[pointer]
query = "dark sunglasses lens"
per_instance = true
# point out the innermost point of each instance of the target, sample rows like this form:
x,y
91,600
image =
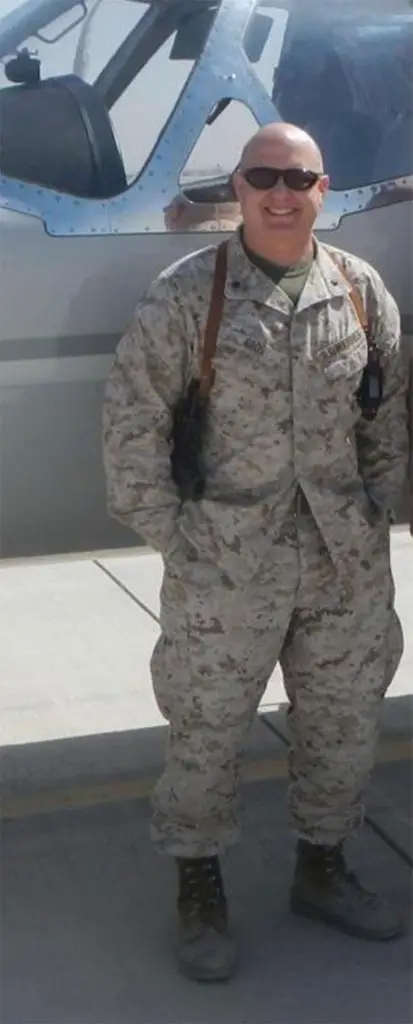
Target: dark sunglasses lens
x,y
298,180
262,178
295,178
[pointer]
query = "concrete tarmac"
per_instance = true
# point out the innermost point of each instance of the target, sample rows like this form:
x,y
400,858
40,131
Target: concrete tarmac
x,y
87,908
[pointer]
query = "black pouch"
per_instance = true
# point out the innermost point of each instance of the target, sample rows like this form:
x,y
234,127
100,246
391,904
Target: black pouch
x,y
370,392
189,422
190,413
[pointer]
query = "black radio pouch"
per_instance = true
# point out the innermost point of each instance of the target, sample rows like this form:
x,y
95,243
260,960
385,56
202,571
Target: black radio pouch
x,y
369,395
191,410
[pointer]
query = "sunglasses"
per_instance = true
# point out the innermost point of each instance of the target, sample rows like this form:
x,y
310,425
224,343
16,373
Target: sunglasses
x,y
294,178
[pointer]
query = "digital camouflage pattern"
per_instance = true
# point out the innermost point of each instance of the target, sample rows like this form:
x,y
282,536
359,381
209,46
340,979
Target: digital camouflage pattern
x,y
247,580
282,409
339,644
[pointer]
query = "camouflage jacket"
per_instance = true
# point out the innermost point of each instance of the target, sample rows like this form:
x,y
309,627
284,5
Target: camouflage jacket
x,y
283,410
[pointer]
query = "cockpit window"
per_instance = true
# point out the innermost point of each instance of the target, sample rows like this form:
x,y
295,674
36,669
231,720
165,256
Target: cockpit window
x,y
110,73
349,82
158,80
127,59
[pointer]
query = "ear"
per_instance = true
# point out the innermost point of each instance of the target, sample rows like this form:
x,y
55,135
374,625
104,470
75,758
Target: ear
x,y
237,183
324,184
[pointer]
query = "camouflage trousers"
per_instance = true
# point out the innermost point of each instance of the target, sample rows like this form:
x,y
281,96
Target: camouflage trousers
x,y
338,641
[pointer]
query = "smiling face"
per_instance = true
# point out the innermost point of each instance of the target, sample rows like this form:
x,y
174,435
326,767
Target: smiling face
x,y
279,216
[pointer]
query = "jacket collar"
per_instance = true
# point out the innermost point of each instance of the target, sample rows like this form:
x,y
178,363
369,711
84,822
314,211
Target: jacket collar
x,y
245,281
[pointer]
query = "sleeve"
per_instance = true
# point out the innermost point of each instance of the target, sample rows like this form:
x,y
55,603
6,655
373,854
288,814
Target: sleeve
x,y
147,377
383,443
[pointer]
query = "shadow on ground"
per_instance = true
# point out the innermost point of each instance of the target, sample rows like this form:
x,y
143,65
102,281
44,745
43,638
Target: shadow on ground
x,y
88,913
138,753
87,907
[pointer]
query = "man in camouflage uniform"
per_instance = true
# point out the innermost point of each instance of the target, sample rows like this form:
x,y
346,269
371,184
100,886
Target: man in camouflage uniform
x,y
286,557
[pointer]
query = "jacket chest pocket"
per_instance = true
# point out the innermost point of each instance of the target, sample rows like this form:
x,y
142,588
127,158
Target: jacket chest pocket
x,y
344,362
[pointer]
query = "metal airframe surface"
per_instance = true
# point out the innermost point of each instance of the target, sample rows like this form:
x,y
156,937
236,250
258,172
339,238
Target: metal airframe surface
x,y
222,71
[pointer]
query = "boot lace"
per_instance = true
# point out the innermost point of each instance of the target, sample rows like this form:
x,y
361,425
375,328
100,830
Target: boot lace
x,y
336,870
201,891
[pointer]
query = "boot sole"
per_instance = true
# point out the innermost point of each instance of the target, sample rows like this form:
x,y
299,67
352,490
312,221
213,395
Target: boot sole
x,y
195,973
302,909
207,978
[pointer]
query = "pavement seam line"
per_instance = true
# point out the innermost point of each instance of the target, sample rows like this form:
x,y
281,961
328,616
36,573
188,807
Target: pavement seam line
x,y
125,590
386,838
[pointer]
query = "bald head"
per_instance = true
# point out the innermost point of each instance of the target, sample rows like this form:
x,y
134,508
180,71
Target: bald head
x,y
280,185
281,145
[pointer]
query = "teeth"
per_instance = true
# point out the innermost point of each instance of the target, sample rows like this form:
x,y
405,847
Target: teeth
x,y
280,213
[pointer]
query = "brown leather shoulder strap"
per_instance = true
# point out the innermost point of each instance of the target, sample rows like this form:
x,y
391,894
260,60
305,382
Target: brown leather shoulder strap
x,y
355,297
213,321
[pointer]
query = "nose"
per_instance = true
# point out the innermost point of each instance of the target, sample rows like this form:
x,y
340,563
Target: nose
x,y
279,186
279,191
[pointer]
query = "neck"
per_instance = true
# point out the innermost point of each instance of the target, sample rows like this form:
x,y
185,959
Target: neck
x,y
284,252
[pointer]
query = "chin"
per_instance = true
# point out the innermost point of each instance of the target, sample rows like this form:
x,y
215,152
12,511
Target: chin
x,y
287,231
280,226
281,229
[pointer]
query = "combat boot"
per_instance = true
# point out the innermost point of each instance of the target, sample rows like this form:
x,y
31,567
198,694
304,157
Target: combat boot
x,y
325,889
205,950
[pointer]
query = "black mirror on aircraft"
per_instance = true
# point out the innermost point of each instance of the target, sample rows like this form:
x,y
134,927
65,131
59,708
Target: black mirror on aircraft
x,y
24,69
58,134
193,31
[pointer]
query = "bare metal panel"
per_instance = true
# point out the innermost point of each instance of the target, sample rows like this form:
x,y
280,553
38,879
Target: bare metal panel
x,y
222,71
